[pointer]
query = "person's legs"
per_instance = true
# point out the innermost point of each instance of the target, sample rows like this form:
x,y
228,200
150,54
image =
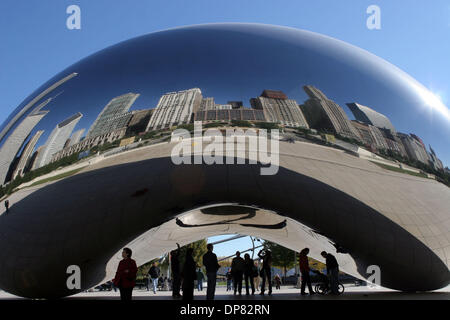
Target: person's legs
x,y
240,276
247,277
334,280
235,282
155,284
263,284
211,285
269,279
308,282
303,286
252,283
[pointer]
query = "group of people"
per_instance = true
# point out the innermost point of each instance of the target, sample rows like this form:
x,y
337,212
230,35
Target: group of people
x,y
241,269
332,271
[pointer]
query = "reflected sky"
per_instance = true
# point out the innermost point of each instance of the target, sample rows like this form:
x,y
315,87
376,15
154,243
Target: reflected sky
x,y
237,62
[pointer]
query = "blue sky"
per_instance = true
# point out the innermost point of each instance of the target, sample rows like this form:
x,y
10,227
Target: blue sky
x,y
36,44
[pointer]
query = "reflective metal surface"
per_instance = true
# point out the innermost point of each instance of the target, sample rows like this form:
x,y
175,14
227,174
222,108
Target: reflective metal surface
x,y
87,167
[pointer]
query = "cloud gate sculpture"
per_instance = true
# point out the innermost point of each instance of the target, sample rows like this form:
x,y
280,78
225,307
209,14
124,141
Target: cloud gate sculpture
x,y
261,130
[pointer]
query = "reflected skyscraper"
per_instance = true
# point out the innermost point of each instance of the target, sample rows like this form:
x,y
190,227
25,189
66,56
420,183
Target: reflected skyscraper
x,y
175,108
414,148
370,116
26,155
15,141
114,115
76,137
57,139
29,105
323,113
278,108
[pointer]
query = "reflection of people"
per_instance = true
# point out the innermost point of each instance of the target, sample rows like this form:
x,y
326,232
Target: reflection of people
x,y
7,206
154,275
266,272
237,270
257,279
189,275
250,272
211,265
125,278
304,270
332,271
277,281
200,277
229,280
175,268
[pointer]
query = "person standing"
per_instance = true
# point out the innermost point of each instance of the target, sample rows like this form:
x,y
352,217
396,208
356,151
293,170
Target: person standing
x,y
125,278
237,270
249,273
257,278
200,278
332,271
277,280
212,266
189,275
304,270
7,206
153,274
175,268
229,280
266,272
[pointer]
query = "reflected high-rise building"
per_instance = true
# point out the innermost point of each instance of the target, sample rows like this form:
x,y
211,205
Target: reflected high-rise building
x,y
370,135
175,108
370,116
114,115
236,104
278,108
57,139
16,139
435,161
139,121
29,105
323,113
394,142
76,137
26,155
207,104
414,148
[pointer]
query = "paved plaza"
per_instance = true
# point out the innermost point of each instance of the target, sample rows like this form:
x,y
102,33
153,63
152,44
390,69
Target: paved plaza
x,y
286,293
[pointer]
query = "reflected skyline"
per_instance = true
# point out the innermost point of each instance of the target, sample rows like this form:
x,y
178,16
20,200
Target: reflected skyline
x,y
345,73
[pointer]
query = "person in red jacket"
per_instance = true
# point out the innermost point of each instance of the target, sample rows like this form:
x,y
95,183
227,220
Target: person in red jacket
x,y
125,278
304,270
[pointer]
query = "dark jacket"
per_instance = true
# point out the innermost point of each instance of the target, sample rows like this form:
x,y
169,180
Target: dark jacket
x,y
237,265
126,274
304,263
175,264
153,272
250,268
189,272
267,260
210,262
331,262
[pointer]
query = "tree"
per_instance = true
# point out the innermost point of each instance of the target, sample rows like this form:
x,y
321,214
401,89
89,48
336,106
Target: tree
x,y
281,257
199,250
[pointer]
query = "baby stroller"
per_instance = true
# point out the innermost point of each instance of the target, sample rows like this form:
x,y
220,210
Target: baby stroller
x,y
323,286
